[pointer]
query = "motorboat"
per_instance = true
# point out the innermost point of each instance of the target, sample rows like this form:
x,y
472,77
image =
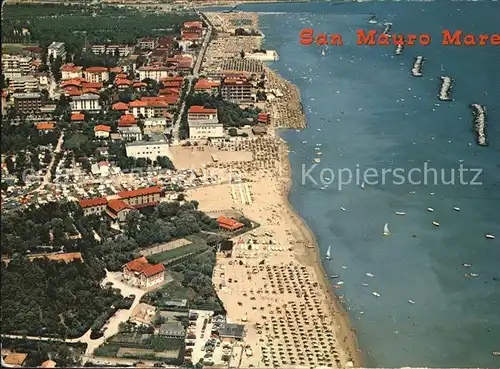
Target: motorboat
x,y
435,223
342,208
370,275
328,253
333,276
489,236
364,284
456,208
340,283
466,265
495,353
323,52
376,294
400,213
430,209
317,160
411,302
386,231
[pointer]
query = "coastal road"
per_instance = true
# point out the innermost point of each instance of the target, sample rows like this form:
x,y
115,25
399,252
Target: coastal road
x,y
196,71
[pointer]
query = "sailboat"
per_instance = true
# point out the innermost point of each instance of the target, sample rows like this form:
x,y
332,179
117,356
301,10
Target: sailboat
x,y
362,185
386,230
328,252
323,52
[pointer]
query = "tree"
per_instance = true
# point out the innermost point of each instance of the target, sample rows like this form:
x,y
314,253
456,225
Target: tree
x,y
233,132
55,68
242,54
165,162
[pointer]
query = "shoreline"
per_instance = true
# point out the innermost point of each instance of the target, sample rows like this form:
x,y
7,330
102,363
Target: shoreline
x,y
313,257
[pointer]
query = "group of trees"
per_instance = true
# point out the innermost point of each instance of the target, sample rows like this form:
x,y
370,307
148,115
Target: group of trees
x,y
77,24
25,136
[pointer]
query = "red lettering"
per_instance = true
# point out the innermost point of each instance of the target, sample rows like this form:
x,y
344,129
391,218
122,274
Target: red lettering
x,y
469,40
322,39
449,40
411,39
495,39
383,39
483,39
363,39
425,39
306,36
398,40
336,39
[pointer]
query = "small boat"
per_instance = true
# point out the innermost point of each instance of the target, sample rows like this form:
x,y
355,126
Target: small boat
x,y
342,208
466,265
364,284
386,231
495,353
376,294
362,186
343,267
340,283
411,302
400,213
323,52
474,275
333,276
489,236
370,275
328,252
456,208
317,160
434,223
430,209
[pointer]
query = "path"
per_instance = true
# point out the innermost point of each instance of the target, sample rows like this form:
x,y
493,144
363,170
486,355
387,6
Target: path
x,y
46,177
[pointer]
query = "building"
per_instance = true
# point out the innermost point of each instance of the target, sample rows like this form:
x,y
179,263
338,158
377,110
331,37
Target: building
x,y
70,71
4,102
102,131
56,49
14,360
140,273
209,86
143,197
148,43
96,74
203,123
148,149
192,30
115,50
153,72
259,130
173,330
93,206
264,118
231,332
100,169
229,224
156,125
127,120
24,84
118,210
44,127
27,103
130,133
86,102
143,314
16,65
237,90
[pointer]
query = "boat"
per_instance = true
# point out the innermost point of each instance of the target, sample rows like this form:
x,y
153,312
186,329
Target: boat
x,y
370,275
339,283
435,223
456,208
400,213
411,302
333,276
466,265
489,236
376,294
317,160
474,275
342,208
362,186
386,230
364,284
328,252
373,19
495,353
430,209
323,52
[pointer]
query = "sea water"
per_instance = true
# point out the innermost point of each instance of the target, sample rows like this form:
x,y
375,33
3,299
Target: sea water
x,y
374,114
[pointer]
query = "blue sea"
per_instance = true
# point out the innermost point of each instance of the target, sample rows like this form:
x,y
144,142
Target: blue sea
x,y
367,111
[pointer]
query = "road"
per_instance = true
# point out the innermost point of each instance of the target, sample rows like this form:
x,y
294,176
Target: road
x,y
196,73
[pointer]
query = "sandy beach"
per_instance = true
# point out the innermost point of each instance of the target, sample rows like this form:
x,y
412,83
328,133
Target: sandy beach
x,y
273,282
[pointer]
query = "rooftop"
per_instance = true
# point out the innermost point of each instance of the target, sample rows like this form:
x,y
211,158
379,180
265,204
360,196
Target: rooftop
x,y
231,330
197,109
141,265
140,192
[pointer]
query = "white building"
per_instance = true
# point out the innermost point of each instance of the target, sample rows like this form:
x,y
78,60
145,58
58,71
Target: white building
x,y
24,84
130,133
85,102
203,123
56,49
148,149
158,125
153,72
100,169
96,74
70,71
16,66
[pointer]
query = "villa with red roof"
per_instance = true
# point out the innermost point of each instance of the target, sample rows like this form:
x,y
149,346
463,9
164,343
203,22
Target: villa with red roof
x,y
96,74
120,106
140,273
229,224
102,131
70,71
204,123
208,86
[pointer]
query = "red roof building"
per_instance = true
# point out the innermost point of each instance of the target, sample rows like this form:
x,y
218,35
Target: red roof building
x,y
45,126
207,85
263,118
102,128
77,117
127,120
140,273
120,106
197,109
229,224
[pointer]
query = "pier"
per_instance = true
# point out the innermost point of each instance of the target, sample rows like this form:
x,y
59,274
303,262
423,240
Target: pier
x,y
479,123
416,71
446,85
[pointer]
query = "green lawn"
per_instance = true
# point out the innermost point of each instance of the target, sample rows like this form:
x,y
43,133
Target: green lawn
x,y
75,141
170,255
